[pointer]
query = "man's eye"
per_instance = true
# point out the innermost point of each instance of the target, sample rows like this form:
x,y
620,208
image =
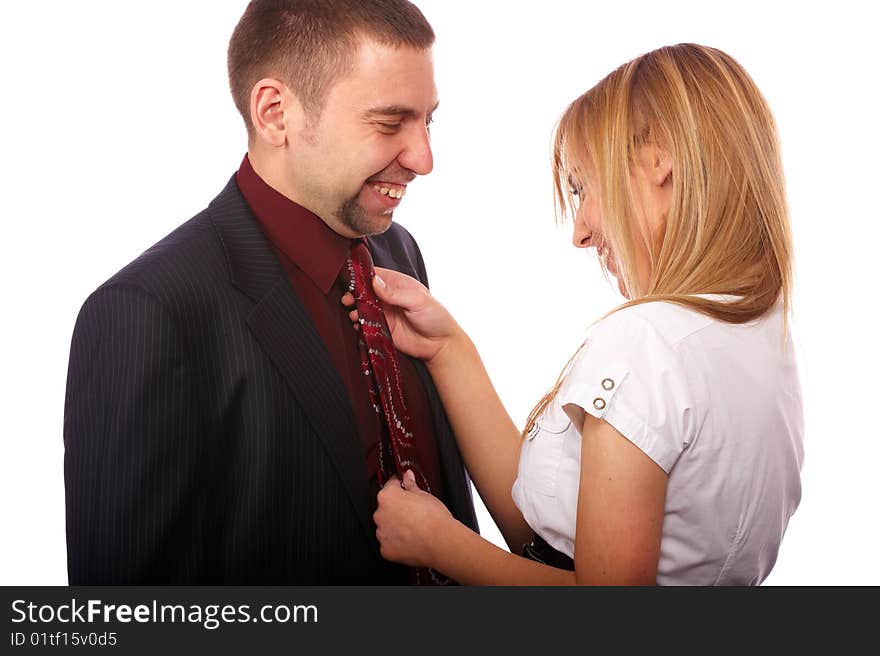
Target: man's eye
x,y
392,127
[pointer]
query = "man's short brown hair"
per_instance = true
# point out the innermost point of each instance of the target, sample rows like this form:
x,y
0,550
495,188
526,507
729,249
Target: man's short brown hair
x,y
309,44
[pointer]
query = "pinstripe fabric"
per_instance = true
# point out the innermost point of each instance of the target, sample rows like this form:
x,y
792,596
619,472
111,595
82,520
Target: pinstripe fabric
x,y
208,438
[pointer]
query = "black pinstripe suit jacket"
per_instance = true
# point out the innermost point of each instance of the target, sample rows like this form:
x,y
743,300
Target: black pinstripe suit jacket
x,y
208,437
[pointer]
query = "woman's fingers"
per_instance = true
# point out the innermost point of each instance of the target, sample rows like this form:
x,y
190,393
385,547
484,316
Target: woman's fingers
x,y
393,287
399,289
409,482
348,301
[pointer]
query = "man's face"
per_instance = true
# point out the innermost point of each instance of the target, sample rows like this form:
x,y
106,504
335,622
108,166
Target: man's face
x,y
352,166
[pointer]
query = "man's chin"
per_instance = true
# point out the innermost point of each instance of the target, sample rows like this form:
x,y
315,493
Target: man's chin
x,y
378,225
363,222
372,221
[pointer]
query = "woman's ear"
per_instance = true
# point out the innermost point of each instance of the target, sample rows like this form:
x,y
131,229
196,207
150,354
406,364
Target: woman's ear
x,y
661,173
654,164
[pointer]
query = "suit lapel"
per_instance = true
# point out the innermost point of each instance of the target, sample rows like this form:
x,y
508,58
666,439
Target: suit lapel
x,y
284,330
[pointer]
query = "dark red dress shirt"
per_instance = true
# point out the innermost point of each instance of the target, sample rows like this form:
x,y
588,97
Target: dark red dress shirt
x,y
314,258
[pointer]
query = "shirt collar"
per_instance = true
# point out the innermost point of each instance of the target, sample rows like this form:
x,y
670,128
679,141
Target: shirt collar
x,y
299,234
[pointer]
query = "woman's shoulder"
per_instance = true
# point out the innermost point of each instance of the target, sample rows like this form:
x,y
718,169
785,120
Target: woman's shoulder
x,y
662,321
631,373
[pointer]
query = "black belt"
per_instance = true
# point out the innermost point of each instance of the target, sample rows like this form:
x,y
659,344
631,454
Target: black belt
x,y
538,550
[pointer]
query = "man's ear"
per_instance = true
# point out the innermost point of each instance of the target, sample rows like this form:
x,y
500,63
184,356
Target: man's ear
x,y
275,112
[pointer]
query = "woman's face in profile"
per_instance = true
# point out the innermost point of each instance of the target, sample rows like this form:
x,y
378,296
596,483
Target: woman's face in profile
x,y
589,225
653,189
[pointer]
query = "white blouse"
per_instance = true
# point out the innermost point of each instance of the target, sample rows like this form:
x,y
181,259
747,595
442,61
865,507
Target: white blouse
x,y
716,405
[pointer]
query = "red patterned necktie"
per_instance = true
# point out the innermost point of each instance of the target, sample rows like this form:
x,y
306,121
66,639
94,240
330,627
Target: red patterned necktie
x,y
397,447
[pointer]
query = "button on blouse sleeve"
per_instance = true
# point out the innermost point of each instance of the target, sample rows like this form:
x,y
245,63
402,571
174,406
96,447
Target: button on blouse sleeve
x,y
628,375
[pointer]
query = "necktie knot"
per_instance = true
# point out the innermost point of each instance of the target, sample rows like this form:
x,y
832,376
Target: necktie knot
x,y
361,274
362,261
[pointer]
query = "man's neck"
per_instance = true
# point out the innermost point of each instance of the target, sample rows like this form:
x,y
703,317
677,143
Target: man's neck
x,y
272,173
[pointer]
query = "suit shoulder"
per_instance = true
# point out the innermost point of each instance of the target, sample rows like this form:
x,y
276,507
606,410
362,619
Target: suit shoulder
x,y
187,257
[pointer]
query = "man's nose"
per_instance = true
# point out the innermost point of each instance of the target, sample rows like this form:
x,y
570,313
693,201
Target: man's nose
x,y
417,155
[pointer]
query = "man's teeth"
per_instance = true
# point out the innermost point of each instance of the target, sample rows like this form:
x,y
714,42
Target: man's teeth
x,y
394,193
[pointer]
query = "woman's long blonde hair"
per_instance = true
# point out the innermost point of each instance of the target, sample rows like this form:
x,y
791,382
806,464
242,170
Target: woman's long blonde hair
x,y
727,231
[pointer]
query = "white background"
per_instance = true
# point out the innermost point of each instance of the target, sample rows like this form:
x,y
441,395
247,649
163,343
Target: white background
x,y
116,126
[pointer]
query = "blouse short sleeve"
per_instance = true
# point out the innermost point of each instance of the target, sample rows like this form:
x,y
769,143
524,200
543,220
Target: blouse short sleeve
x,y
629,375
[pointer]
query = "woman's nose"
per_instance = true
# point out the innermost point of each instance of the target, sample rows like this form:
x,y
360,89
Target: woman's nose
x,y
582,236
